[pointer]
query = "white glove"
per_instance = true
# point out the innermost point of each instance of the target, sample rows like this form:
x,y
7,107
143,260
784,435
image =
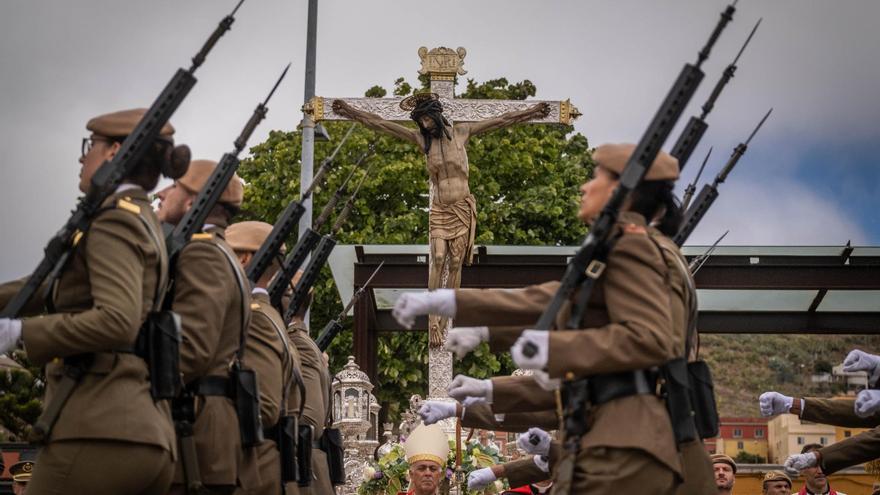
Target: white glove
x,y
481,478
462,340
463,387
433,411
10,334
545,382
543,462
858,360
867,403
471,401
409,305
535,441
795,463
537,340
773,403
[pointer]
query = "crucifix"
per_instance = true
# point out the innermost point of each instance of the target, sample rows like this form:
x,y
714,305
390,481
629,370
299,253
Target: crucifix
x,y
445,123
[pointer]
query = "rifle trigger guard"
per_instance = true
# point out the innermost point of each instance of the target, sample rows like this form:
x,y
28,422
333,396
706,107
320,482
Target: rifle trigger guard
x,y
595,269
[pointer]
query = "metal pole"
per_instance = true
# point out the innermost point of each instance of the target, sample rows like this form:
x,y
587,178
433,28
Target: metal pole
x,y
308,126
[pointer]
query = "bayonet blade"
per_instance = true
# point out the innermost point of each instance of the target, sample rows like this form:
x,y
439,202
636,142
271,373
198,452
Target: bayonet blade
x,y
758,127
278,82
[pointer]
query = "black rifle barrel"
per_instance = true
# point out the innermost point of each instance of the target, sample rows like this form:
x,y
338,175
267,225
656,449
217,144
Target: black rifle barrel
x,y
349,204
692,187
337,195
325,165
111,173
309,276
726,17
709,192
294,259
194,218
333,327
697,126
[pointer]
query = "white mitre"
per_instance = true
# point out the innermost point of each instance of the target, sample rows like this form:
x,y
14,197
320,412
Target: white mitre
x,y
427,443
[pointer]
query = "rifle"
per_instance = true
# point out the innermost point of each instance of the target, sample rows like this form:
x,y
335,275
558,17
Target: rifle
x,y
697,126
288,219
334,326
700,260
692,187
307,243
322,252
588,263
195,217
111,173
709,192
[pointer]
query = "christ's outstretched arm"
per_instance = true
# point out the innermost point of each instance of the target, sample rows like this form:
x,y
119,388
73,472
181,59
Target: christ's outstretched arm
x,y
538,110
376,122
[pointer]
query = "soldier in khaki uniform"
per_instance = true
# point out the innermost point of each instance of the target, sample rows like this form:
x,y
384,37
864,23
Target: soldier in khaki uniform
x,y
269,353
633,325
316,410
110,437
776,483
213,301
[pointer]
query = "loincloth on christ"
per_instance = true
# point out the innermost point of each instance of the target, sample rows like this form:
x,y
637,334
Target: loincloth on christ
x,y
453,221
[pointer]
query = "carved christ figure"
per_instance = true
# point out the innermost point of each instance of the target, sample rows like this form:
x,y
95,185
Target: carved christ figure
x,y
453,210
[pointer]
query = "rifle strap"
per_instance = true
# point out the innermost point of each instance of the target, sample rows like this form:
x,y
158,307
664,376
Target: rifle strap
x,y
294,372
592,273
245,298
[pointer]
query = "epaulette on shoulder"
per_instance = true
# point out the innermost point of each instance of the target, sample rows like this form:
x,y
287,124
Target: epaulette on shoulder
x,y
255,306
202,236
127,205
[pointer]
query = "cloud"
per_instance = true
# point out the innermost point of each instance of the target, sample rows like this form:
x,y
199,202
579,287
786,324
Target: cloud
x,y
776,212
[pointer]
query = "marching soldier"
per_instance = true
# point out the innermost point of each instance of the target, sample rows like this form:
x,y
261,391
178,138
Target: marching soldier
x,y
633,325
275,360
316,409
114,278
213,301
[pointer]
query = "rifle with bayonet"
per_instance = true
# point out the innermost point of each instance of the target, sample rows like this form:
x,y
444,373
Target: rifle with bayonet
x,y
111,173
320,256
307,242
288,219
709,192
692,187
334,326
243,382
207,198
700,260
696,126
588,263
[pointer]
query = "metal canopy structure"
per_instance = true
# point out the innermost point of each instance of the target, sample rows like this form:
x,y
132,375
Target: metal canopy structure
x,y
741,289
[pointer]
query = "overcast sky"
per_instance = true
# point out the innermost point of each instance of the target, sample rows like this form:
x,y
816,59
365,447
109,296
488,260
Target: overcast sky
x,y
810,177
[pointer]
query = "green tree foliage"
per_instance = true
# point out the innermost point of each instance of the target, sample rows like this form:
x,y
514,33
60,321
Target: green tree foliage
x,y
525,179
20,392
744,457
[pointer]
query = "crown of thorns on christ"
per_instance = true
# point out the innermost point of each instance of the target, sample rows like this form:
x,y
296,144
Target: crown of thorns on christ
x,y
411,102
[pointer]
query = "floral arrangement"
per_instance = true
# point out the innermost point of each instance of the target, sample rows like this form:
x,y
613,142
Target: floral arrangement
x,y
388,476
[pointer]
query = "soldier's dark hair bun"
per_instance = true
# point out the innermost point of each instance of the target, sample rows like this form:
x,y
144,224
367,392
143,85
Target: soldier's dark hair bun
x,y
177,161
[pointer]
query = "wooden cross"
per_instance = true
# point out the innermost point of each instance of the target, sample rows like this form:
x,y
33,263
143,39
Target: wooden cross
x,y
442,65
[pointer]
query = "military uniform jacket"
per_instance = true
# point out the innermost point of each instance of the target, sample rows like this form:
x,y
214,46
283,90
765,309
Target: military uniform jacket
x,y
482,416
208,298
316,410
100,300
271,356
629,326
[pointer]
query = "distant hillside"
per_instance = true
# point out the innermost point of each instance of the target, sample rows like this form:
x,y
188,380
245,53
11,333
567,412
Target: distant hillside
x,y
743,366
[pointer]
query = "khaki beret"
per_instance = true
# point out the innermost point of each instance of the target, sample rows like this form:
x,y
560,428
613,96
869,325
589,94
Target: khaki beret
x,y
776,476
724,459
22,471
122,123
248,236
613,157
199,172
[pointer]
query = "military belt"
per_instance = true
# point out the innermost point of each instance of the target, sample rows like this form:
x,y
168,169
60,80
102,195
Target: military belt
x,y
605,388
210,385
